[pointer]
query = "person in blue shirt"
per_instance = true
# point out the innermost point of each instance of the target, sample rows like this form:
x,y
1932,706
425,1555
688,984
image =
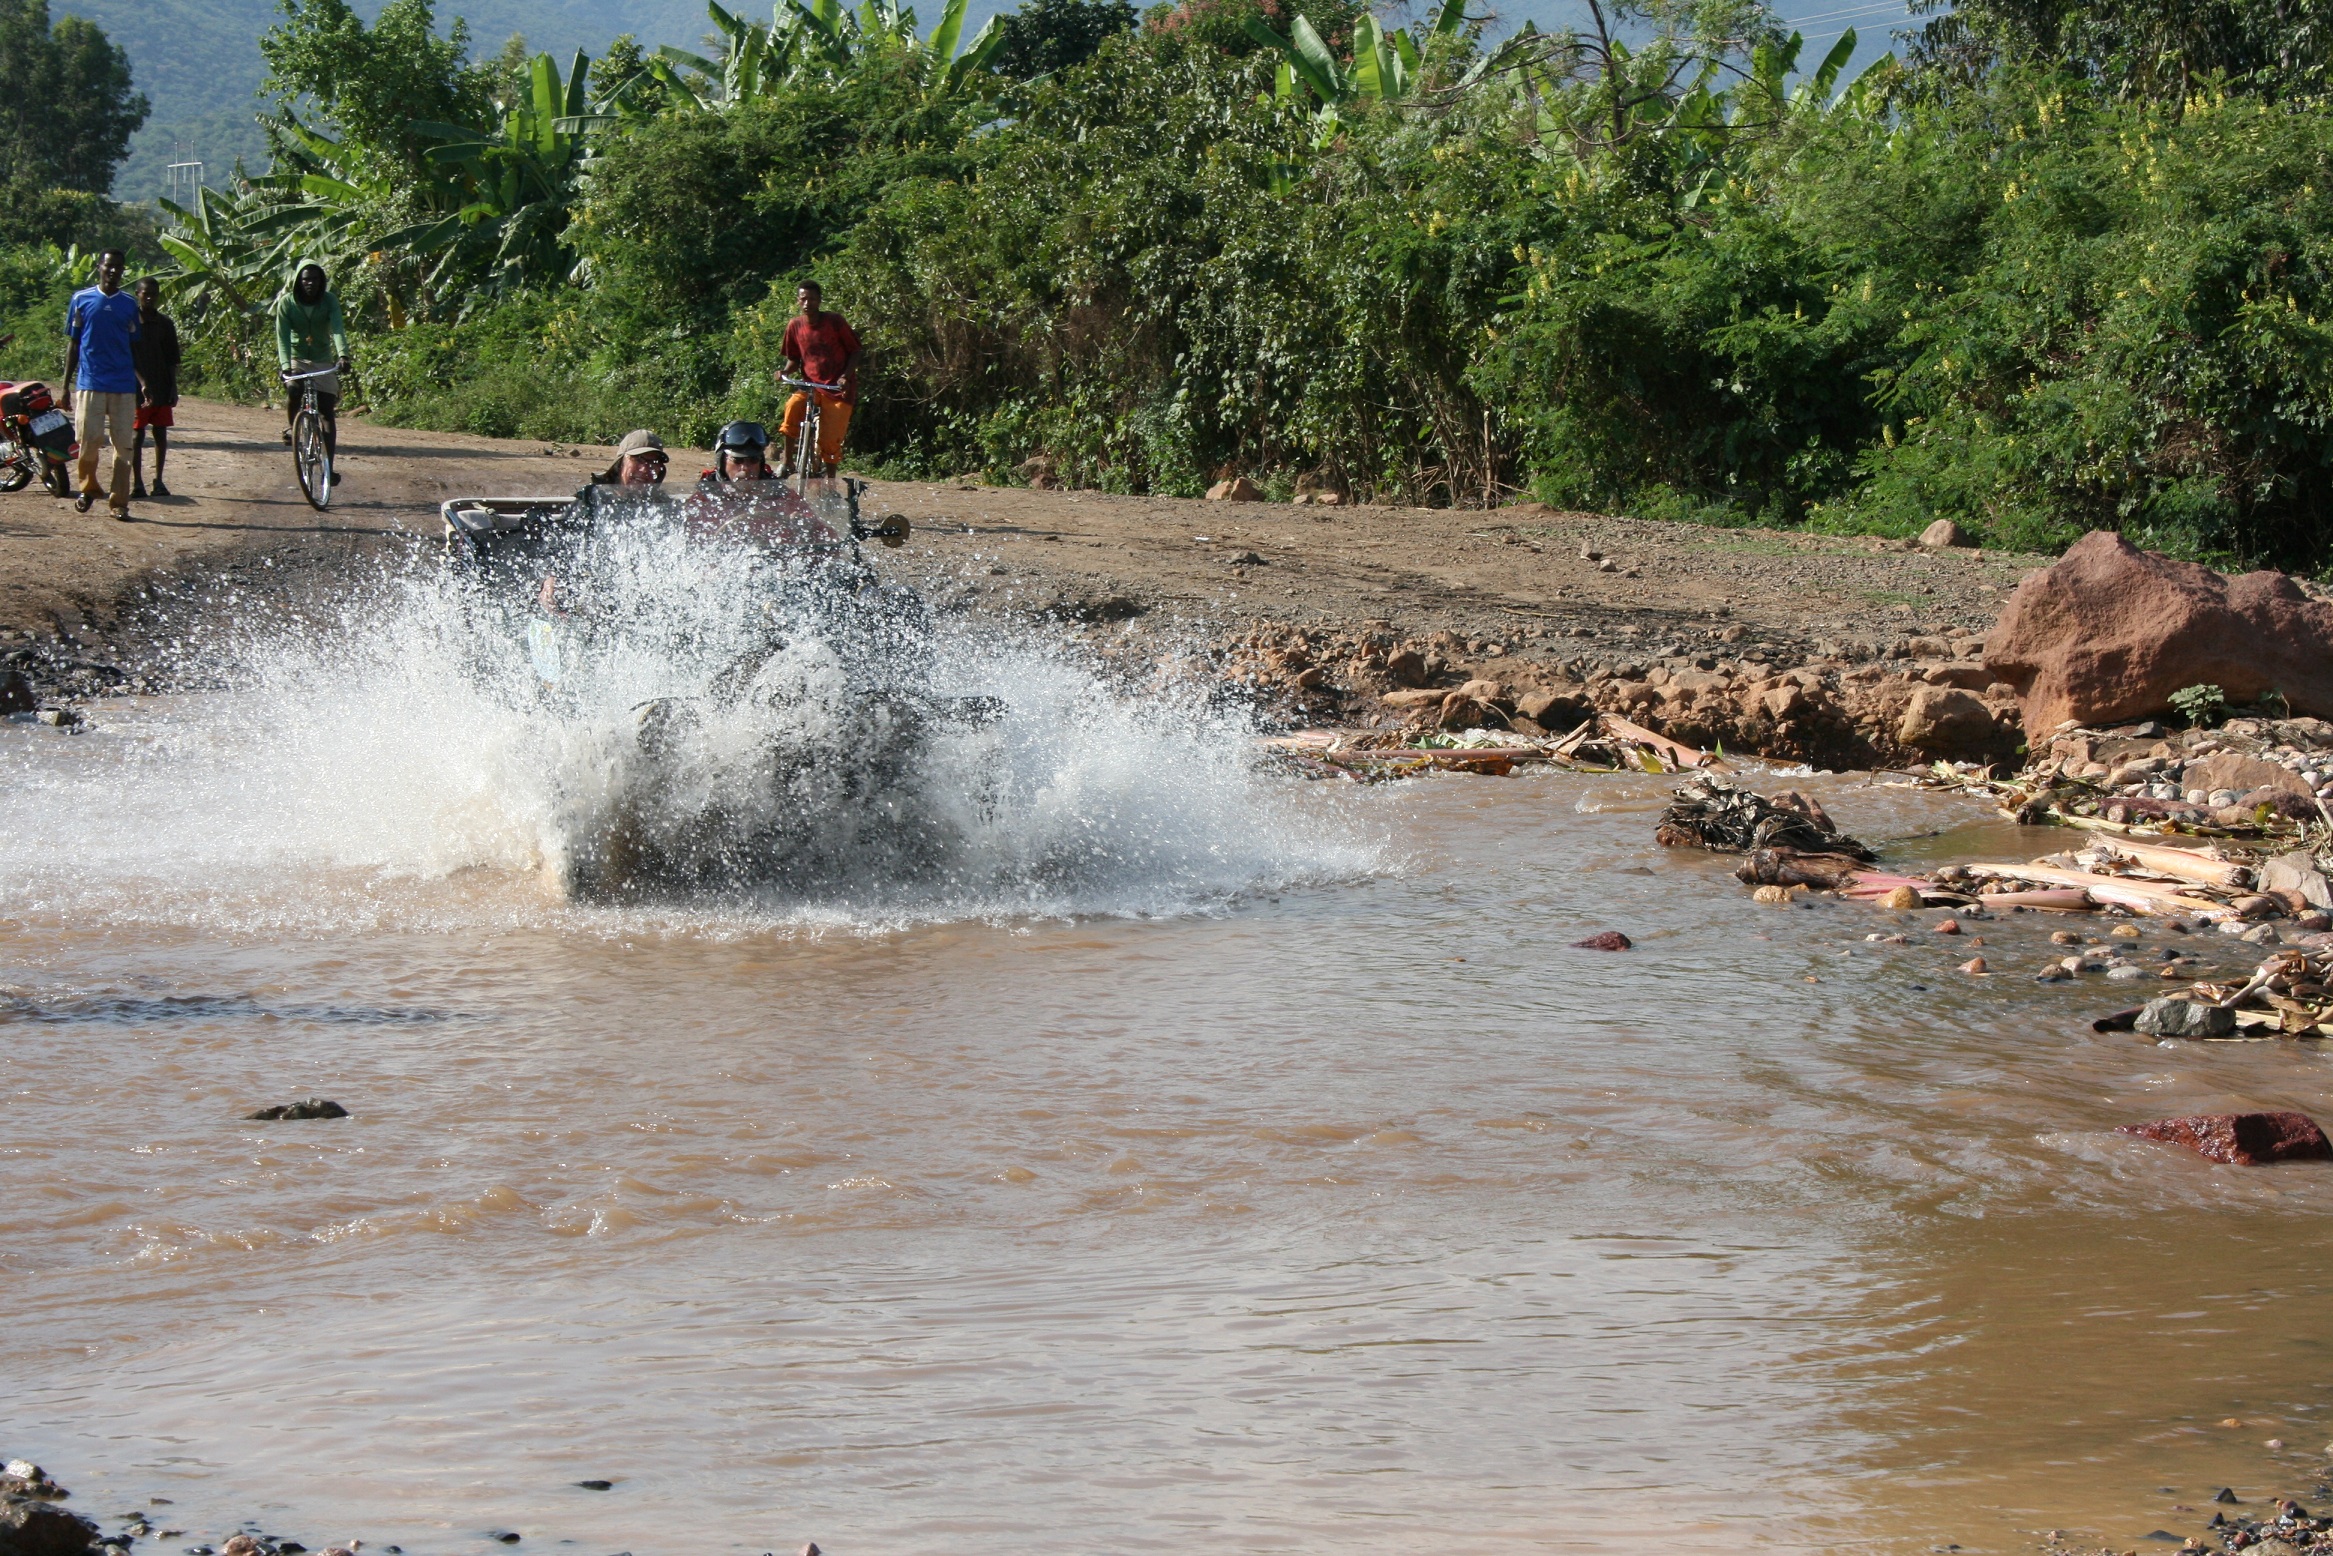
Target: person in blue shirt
x,y
101,380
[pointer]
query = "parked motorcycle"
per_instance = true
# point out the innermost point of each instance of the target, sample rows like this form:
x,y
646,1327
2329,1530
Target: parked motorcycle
x,y
36,438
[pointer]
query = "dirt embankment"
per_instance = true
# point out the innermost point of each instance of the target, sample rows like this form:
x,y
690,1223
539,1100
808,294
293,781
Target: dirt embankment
x,y
1326,611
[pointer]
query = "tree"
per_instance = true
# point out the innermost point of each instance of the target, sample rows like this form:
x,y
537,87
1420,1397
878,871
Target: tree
x,y
370,84
1048,35
2158,50
67,109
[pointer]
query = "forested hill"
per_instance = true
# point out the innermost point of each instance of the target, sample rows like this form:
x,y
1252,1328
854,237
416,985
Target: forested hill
x,y
198,61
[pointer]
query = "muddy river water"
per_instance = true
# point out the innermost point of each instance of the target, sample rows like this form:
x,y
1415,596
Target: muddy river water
x,y
1273,1177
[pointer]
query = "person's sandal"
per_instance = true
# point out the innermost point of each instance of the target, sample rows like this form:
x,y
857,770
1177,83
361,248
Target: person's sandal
x,y
84,502
159,489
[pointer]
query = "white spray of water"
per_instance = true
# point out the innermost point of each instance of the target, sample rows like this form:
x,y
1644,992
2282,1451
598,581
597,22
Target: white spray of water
x,y
355,772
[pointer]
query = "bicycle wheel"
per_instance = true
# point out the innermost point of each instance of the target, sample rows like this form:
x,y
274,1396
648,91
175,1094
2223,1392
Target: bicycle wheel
x,y
310,460
806,446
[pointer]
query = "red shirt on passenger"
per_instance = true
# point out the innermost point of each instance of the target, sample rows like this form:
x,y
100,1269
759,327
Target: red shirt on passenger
x,y
821,345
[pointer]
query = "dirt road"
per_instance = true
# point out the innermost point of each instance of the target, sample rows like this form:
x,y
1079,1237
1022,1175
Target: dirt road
x,y
72,586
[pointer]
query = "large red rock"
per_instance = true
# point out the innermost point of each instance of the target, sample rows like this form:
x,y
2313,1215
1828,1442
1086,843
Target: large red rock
x,y
2241,1139
2109,632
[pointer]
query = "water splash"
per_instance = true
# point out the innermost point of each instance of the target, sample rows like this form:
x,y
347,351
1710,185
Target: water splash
x,y
715,752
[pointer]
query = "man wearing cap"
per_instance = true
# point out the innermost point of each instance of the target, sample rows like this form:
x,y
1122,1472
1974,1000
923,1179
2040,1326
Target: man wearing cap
x,y
636,476
638,472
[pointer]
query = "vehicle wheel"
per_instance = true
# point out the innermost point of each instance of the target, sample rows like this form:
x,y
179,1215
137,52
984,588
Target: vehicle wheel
x,y
55,478
312,463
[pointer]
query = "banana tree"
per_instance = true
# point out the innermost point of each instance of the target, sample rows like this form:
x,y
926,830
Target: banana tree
x,y
802,39
1387,65
516,186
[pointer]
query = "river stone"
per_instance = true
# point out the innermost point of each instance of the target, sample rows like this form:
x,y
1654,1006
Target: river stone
x,y
2240,774
1945,721
38,1529
2297,873
2184,1018
1604,940
2241,1139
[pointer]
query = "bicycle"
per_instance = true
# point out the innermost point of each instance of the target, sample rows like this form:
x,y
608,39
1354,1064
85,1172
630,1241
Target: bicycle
x,y
311,456
805,450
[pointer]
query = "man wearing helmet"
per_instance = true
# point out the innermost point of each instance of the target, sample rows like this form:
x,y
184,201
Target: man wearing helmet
x,y
740,453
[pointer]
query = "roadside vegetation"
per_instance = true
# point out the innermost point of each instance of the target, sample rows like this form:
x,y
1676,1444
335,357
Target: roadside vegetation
x,y
2062,266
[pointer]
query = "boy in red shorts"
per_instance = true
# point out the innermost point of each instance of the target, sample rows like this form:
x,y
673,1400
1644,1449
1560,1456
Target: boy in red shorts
x,y
155,354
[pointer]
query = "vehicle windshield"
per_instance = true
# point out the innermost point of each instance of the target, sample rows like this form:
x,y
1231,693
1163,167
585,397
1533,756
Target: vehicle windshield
x,y
768,515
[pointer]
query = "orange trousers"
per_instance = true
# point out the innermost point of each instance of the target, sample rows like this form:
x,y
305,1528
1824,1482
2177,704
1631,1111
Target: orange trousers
x,y
834,419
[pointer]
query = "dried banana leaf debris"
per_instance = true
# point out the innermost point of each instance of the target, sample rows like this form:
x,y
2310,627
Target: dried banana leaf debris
x,y
1372,755
1731,819
2287,996
1606,743
1610,743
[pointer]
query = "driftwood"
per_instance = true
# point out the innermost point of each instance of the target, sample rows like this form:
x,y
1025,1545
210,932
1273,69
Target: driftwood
x,y
2139,896
2185,863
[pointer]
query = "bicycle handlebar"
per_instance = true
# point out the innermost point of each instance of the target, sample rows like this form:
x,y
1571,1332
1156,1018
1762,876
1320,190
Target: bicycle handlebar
x,y
295,378
804,383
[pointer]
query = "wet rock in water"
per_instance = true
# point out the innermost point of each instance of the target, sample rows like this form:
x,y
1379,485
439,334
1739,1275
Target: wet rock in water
x,y
597,1485
1604,940
2109,632
22,1479
313,1107
2184,1018
1903,897
505,1536
36,1528
2226,1494
2125,974
1975,964
2241,1139
1771,895
1949,926
16,693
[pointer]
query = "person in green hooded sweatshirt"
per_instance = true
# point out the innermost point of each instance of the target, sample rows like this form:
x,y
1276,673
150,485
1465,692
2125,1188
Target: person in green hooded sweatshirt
x,y
310,338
